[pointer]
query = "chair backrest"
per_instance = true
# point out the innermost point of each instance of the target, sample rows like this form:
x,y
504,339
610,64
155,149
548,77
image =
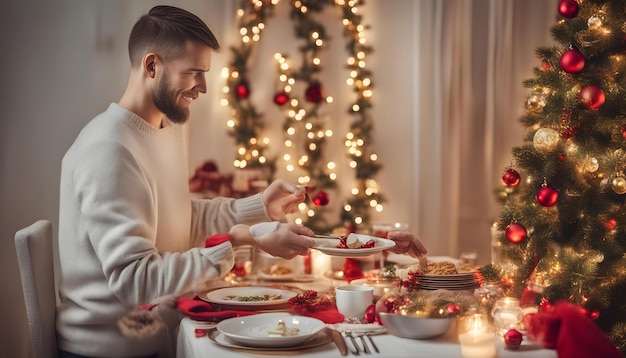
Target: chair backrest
x,y
35,259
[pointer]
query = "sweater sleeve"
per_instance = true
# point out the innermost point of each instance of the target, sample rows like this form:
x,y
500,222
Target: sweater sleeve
x,y
218,215
120,218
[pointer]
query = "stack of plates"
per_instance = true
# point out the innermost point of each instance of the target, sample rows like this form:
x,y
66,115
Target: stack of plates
x,y
459,281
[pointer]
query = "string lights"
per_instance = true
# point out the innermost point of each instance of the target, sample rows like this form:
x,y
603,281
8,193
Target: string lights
x,y
305,131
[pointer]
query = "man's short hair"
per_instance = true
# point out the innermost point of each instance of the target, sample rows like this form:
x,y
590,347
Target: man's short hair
x,y
166,30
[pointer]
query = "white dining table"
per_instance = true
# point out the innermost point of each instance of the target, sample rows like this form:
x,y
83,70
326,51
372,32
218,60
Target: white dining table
x,y
446,346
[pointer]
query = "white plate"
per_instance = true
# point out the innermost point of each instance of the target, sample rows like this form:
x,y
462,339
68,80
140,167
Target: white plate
x,y
269,277
253,331
329,246
319,339
220,296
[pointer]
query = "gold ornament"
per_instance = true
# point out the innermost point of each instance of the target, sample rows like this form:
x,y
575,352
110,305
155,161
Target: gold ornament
x,y
591,165
619,185
546,140
536,101
594,23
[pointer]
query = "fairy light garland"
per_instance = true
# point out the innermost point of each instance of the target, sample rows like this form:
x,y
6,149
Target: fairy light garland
x,y
302,126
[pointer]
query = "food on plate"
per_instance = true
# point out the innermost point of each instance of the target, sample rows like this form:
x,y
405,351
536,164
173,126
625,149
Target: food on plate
x,y
253,298
440,268
282,330
357,244
276,269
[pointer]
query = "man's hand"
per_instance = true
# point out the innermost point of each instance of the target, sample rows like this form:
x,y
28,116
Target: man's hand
x,y
282,198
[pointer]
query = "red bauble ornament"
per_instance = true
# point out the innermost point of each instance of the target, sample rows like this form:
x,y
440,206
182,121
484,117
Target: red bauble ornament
x,y
370,314
515,233
313,93
511,177
547,196
624,131
568,8
513,339
321,198
242,90
610,224
572,61
591,97
281,98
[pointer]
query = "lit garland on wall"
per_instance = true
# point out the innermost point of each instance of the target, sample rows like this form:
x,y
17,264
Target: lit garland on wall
x,y
246,123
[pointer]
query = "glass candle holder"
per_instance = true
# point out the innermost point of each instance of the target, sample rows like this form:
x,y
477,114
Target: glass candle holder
x,y
507,314
476,335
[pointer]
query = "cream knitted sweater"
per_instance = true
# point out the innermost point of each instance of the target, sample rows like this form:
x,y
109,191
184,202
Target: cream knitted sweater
x,y
129,232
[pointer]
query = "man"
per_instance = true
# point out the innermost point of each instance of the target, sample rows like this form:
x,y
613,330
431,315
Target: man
x,y
128,231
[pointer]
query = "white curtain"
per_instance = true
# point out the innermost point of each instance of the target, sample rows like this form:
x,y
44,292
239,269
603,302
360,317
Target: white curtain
x,y
468,81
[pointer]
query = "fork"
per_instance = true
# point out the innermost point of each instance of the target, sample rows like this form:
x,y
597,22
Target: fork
x,y
372,342
348,334
366,349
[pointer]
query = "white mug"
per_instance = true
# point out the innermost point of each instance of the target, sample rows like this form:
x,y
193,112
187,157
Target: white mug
x,y
353,300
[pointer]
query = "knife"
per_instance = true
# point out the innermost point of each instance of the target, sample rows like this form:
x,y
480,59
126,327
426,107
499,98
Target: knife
x,y
339,342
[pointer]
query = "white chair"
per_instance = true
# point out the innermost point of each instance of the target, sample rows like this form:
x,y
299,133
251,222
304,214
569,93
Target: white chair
x,y
35,259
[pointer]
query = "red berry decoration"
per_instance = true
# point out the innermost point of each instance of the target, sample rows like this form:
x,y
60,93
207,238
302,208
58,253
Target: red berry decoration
x,y
624,131
572,61
281,98
321,198
515,233
511,177
568,8
453,309
242,90
591,97
547,196
513,339
313,93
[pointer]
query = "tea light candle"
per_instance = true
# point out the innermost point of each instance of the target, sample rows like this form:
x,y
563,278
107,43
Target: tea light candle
x,y
477,340
507,314
320,263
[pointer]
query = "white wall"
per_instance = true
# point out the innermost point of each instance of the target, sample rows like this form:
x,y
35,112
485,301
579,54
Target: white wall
x,y
62,62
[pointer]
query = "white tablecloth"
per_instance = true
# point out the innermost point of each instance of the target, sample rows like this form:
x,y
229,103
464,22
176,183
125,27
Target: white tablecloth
x,y
447,346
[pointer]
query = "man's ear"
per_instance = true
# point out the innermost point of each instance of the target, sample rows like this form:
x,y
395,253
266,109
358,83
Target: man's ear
x,y
149,64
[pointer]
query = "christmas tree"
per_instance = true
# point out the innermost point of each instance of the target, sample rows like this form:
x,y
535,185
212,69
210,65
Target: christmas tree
x,y
563,225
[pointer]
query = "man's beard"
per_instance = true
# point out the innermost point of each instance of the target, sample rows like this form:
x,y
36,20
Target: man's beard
x,y
165,98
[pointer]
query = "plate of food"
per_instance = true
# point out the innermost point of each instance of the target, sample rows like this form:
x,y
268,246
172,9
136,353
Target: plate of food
x,y
271,329
276,272
353,245
251,297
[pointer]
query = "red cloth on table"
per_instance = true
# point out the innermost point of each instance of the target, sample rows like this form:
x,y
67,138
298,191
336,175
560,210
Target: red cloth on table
x,y
200,310
571,332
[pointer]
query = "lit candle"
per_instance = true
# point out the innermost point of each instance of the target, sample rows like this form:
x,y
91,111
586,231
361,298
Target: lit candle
x,y
477,345
476,337
320,263
507,314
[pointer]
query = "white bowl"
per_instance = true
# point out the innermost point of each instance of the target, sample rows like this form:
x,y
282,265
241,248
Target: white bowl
x,y
415,327
253,330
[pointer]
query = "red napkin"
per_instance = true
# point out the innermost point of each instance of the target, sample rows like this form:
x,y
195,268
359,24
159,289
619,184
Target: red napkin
x,y
200,310
215,240
571,332
311,305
